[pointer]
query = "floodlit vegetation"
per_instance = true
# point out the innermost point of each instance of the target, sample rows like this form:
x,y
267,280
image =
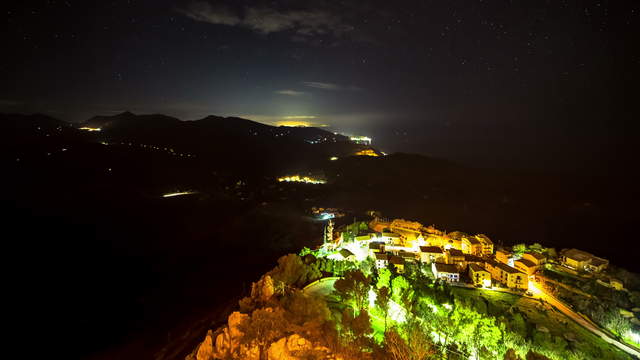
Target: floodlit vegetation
x,y
366,312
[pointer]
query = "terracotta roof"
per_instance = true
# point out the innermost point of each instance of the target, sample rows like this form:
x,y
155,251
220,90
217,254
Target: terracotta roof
x,y
536,255
472,258
476,267
380,256
397,260
577,255
448,268
508,268
431,249
455,252
525,262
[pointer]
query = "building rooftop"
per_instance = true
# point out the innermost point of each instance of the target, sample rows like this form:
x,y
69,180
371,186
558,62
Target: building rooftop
x,y
507,268
407,255
380,256
455,252
431,249
476,267
535,255
345,253
484,238
446,268
375,245
596,261
525,262
474,241
396,260
472,258
577,255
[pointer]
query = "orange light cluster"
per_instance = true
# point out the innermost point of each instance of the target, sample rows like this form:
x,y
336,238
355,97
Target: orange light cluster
x,y
367,152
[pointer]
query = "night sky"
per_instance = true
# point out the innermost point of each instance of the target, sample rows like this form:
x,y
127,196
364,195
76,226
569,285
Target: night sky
x,y
529,84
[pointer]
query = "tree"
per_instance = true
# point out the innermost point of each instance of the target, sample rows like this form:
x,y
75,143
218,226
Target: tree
x,y
519,249
263,328
418,346
293,271
384,278
354,286
382,301
402,292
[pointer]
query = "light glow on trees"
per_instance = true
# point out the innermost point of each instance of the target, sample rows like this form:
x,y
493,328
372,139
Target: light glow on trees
x,y
396,312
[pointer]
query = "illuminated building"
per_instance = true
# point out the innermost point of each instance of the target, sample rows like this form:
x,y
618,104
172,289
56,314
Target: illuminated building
x,y
526,266
398,263
408,256
455,257
507,275
487,244
86,128
503,256
382,260
375,248
447,272
347,255
583,261
535,258
479,275
366,152
429,254
363,140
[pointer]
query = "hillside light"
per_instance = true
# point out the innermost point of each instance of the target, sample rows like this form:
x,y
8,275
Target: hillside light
x,y
635,337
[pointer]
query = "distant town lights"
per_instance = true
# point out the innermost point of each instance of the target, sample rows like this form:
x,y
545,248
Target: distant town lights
x,y
301,179
85,128
181,193
333,158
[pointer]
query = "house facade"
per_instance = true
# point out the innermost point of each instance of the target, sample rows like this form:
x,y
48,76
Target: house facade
x,y
446,272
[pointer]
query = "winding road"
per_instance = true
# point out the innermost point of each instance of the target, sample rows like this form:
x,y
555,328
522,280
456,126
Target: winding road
x,y
539,293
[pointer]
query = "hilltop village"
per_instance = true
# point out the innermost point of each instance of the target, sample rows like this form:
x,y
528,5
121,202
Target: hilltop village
x,y
397,289
456,257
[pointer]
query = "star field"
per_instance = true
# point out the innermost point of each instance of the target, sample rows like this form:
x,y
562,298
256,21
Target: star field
x,y
466,80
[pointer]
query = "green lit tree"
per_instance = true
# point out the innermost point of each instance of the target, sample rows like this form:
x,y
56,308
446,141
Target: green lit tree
x,y
384,278
382,301
354,287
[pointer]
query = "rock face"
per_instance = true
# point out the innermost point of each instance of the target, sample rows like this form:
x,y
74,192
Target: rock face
x,y
224,343
263,289
287,347
205,350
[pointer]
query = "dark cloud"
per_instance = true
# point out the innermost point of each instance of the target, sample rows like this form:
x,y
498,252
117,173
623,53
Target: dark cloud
x,y
305,24
330,86
291,92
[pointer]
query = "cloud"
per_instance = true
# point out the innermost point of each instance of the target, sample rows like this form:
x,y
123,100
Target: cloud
x,y
291,92
205,12
298,117
305,24
330,86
